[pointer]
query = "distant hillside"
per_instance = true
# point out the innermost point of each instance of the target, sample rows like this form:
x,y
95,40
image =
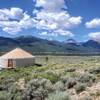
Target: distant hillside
x,y
33,44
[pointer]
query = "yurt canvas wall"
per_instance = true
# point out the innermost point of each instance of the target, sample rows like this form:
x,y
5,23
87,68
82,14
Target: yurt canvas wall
x,y
24,62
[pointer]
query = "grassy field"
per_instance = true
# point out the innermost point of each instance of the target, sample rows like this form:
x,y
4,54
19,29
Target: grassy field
x,y
57,62
66,73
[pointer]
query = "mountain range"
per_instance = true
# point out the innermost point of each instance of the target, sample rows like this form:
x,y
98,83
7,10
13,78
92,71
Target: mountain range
x,y
38,45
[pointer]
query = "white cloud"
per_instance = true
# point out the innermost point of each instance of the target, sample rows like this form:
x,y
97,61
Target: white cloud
x,y
16,13
8,23
95,23
54,20
27,22
53,17
12,30
64,33
44,33
49,5
3,16
15,20
75,20
95,36
57,32
12,13
10,27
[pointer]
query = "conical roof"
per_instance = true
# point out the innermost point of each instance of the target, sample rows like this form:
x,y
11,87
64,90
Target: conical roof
x,y
17,53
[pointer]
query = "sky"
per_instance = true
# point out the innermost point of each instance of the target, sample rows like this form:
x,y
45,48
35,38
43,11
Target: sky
x,y
51,19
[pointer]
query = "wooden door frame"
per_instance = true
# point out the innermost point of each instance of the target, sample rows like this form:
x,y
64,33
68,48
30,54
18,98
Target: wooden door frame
x,y
10,63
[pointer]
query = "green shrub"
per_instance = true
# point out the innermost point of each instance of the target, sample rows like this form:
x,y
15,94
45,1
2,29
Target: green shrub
x,y
87,78
14,93
35,90
6,83
95,71
2,87
80,87
3,95
53,77
58,95
64,79
49,86
59,85
70,82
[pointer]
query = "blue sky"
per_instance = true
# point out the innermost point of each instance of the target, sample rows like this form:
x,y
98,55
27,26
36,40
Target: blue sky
x,y
51,19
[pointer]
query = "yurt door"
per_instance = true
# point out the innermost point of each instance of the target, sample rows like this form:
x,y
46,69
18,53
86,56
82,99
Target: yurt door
x,y
10,63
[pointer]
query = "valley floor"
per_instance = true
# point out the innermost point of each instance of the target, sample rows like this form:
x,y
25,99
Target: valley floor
x,y
58,78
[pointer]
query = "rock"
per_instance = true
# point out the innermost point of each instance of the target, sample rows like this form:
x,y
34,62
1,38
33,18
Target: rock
x,y
83,95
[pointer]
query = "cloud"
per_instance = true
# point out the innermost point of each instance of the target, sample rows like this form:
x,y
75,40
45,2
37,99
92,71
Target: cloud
x,y
64,32
95,36
44,33
27,22
12,30
51,6
14,20
54,20
48,15
95,23
12,13
10,27
47,34
57,32
53,16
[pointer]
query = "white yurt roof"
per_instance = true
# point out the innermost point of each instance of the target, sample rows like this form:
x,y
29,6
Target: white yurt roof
x,y
17,54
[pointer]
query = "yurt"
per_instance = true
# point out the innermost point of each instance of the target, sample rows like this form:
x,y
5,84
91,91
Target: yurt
x,y
16,58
